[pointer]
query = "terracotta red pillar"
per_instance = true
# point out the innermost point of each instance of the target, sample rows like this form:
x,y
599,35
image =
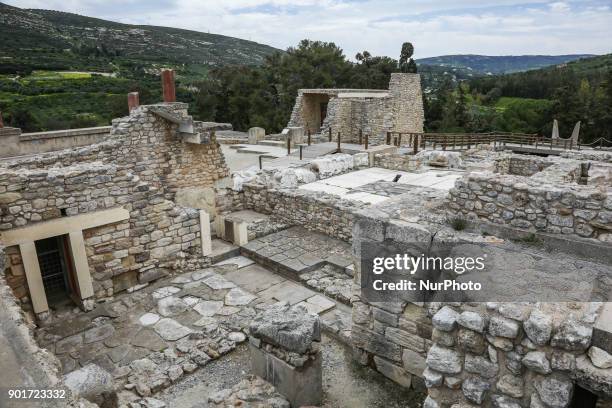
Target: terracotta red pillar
x,y
133,101
167,76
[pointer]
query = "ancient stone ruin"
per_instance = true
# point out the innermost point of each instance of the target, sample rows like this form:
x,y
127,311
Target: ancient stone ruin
x,y
171,262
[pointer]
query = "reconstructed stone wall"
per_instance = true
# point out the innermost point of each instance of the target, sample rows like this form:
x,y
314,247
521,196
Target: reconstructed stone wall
x,y
140,168
15,143
533,205
514,355
475,354
392,337
521,165
157,229
397,161
400,109
314,211
407,106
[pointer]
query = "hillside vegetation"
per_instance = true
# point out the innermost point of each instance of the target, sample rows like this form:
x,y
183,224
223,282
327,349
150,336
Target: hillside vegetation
x,y
478,65
530,101
61,70
52,40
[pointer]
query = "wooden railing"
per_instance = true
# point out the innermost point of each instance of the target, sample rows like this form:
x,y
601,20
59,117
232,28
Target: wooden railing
x,y
455,141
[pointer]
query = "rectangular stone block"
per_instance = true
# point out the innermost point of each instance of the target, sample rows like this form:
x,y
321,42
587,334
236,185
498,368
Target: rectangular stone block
x,y
393,372
302,386
405,339
375,343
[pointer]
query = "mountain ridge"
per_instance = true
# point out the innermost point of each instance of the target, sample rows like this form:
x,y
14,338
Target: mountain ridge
x,y
499,64
31,37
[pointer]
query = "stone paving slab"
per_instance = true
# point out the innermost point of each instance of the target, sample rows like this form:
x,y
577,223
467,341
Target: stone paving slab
x,y
296,250
240,261
287,291
205,313
254,278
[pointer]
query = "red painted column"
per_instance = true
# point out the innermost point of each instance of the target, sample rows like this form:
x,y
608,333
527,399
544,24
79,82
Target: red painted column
x,y
133,101
168,85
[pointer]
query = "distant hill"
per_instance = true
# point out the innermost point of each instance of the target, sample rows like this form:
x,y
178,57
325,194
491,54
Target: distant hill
x,y
51,40
494,65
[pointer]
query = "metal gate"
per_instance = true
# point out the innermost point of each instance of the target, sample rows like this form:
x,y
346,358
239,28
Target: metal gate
x,y
53,269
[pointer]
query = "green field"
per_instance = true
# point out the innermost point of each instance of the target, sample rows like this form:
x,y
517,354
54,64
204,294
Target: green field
x,y
52,100
506,102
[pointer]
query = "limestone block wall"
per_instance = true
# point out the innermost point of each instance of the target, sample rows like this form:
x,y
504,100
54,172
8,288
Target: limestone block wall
x,y
139,168
514,355
314,211
338,119
521,165
585,211
399,110
14,143
397,161
407,105
392,337
120,255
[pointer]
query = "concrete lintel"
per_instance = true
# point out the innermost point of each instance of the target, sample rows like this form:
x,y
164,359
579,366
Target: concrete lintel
x,y
34,277
79,256
60,226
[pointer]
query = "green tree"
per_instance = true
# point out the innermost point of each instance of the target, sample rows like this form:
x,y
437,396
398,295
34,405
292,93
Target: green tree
x,y
406,63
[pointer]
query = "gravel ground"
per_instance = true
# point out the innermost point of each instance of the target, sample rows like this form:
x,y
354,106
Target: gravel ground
x,y
345,383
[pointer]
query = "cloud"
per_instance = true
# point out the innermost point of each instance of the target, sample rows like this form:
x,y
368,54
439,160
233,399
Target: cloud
x,y
501,27
559,6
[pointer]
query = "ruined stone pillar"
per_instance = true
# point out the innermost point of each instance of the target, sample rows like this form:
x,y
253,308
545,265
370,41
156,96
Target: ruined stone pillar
x,y
283,353
133,101
167,76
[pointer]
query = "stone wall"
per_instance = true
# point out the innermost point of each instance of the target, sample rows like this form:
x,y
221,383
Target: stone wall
x,y
475,354
407,107
15,143
375,112
521,165
140,168
392,337
397,161
534,205
314,211
514,355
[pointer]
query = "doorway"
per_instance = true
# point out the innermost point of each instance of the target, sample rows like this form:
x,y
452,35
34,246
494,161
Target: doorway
x,y
57,271
323,113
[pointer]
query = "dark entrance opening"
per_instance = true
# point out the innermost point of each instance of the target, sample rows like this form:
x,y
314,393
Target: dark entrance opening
x,y
583,398
323,113
57,270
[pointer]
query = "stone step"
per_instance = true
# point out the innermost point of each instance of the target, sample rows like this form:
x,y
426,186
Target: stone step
x,y
222,250
277,143
283,251
288,268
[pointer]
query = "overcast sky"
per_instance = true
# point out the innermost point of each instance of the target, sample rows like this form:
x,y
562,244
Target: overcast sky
x,y
503,27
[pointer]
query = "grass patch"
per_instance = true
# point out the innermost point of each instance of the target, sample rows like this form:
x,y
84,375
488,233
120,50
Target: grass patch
x,y
531,239
458,224
506,102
